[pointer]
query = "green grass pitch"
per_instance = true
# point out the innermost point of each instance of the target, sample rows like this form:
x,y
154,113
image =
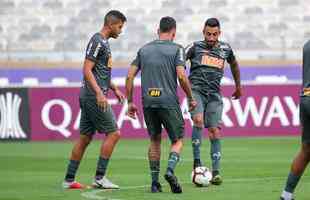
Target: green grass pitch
x,y
252,168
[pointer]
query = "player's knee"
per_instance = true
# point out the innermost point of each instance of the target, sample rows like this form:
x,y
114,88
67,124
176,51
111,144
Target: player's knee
x,y
214,133
180,143
156,138
116,135
198,121
85,140
177,144
155,144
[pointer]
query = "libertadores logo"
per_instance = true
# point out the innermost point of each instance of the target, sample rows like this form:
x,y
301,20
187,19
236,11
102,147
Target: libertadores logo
x,y
10,127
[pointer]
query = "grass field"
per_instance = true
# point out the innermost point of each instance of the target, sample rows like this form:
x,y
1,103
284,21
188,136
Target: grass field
x,y
253,169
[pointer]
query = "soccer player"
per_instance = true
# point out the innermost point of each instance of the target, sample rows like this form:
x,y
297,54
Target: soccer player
x,y
96,113
161,62
303,157
207,59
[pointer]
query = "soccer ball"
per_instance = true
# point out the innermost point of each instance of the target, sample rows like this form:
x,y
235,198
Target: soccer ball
x,y
201,176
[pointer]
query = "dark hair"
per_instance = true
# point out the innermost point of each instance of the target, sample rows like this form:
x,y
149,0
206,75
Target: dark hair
x,y
167,24
113,16
212,22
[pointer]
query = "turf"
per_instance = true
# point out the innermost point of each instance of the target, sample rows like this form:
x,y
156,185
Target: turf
x,y
253,169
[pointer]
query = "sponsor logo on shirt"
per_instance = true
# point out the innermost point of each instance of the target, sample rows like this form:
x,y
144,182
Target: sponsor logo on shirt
x,y
212,61
154,92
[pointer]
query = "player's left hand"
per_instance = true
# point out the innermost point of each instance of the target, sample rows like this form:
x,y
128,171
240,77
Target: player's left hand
x,y
120,96
237,94
132,111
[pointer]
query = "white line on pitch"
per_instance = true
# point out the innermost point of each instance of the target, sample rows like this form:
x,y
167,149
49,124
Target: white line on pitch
x,y
94,193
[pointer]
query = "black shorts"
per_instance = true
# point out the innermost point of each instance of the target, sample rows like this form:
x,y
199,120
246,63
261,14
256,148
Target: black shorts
x,y
95,119
211,107
305,118
170,118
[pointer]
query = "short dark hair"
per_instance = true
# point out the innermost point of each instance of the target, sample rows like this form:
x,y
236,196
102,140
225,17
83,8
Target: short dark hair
x,y
213,22
166,24
114,16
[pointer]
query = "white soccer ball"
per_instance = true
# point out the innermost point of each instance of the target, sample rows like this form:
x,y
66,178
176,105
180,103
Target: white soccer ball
x,y
201,176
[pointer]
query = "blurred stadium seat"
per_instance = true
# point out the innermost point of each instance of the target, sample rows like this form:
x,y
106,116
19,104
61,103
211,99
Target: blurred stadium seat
x,y
267,79
4,81
57,26
226,80
30,81
60,81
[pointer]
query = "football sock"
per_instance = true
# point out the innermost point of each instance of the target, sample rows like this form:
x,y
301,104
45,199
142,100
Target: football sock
x,y
101,167
197,163
215,153
172,162
196,141
154,167
215,172
291,182
71,170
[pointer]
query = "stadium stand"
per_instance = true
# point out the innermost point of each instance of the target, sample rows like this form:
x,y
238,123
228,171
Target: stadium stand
x,y
4,81
59,81
30,81
67,76
265,79
58,30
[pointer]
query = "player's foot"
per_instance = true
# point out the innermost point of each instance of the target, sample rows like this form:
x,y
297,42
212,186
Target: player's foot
x,y
104,183
156,187
216,180
286,195
72,185
173,182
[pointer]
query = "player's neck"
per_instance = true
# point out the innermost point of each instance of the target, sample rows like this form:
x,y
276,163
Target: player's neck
x,y
105,33
166,36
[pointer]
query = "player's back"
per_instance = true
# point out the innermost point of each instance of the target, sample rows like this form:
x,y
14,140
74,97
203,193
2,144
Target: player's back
x,y
158,60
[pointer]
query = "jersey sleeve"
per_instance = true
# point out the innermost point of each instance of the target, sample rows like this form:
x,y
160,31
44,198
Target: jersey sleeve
x,y
136,61
231,56
180,57
94,48
189,51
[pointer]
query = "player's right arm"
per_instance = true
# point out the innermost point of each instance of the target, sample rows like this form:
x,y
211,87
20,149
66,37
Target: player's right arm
x,y
132,72
183,80
91,57
90,78
185,85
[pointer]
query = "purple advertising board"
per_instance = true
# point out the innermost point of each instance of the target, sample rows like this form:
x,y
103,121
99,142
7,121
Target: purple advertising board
x,y
264,110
